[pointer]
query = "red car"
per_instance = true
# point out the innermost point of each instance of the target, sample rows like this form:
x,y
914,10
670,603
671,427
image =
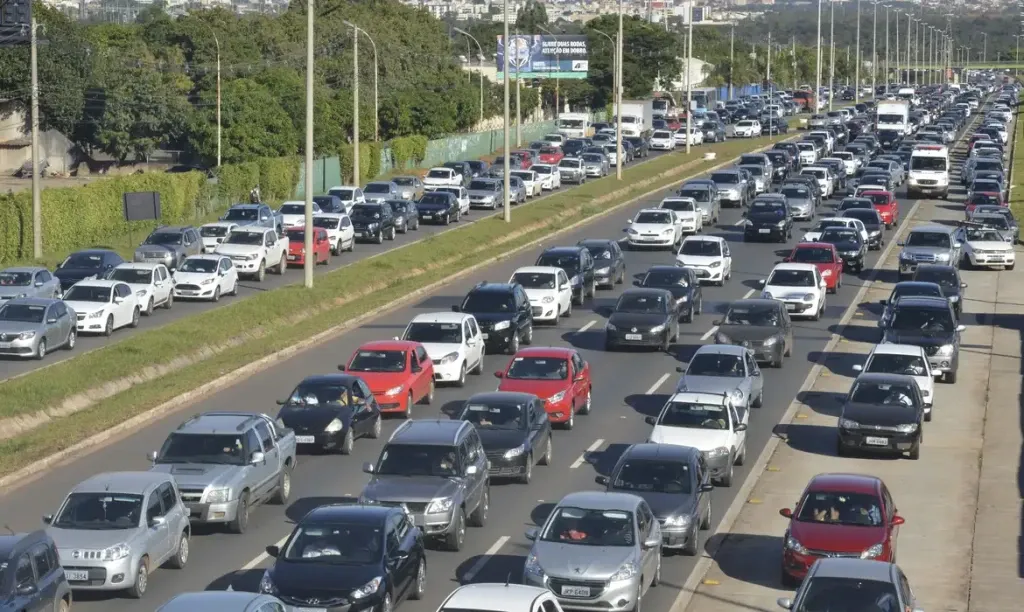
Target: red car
x,y
839,515
975,140
825,257
524,159
983,198
297,246
675,124
559,376
551,155
398,372
886,205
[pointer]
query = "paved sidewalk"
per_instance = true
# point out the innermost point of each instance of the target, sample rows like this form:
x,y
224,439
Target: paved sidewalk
x,y
961,496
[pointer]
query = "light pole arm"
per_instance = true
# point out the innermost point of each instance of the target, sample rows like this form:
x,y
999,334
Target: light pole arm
x,y
480,55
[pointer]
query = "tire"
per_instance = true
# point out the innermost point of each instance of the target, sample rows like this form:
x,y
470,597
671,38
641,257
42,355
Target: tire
x,y
479,369
549,452
527,474
241,522
705,521
391,233
41,349
261,273
63,606
949,377
375,431
429,397
216,294
453,541
170,301
69,344
588,403
758,401
380,238
284,487
136,314
141,584
742,457
788,581
420,581
915,453
108,329
347,442
840,449
180,558
726,481
149,307
528,340
513,346
462,377
690,550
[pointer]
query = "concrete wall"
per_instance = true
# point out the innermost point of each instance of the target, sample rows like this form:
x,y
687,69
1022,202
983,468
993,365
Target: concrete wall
x,y
15,147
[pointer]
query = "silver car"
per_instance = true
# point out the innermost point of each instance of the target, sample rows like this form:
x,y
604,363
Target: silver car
x,y
485,193
724,369
409,187
853,584
597,551
596,165
516,190
28,281
572,170
31,327
223,601
382,191
927,244
800,201
114,529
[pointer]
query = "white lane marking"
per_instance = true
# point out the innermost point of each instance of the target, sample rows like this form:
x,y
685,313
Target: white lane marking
x,y
482,561
748,294
263,556
740,222
657,384
586,327
582,458
709,333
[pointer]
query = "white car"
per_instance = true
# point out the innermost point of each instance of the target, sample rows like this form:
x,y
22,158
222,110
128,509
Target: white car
x,y
799,286
461,196
549,291
747,128
696,136
1004,135
293,214
709,256
654,227
905,360
453,341
859,191
548,176
850,162
856,224
830,141
711,423
987,247
823,176
212,234
349,195
254,250
501,597
206,277
691,220
103,306
151,282
555,139
533,186
441,177
663,140
340,231
807,153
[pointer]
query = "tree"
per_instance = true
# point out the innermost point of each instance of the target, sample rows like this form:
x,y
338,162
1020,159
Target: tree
x,y
649,52
532,15
254,125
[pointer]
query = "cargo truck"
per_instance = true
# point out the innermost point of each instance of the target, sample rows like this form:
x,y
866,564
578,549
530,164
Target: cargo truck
x,y
894,115
574,125
637,116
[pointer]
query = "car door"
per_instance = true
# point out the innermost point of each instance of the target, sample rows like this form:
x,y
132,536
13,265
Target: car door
x,y
26,587
754,376
227,275
474,341
48,575
157,544
366,409
64,323
890,511
738,415
473,484
646,526
524,314
401,563
564,288
267,469
120,304
539,427
726,257
162,283
177,514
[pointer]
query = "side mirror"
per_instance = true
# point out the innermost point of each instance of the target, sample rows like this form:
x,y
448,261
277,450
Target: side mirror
x,y
273,551
961,328
858,367
39,283
651,420
706,487
532,533
963,285
499,374
26,589
601,480
368,467
629,222
680,369
456,308
51,320
715,322
579,378
416,368
652,543
785,603
157,521
48,519
786,513
118,300
471,470
900,243
257,457
741,427
897,520
151,456
761,282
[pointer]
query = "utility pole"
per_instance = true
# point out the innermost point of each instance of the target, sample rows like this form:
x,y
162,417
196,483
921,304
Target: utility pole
x,y
856,77
817,80
984,48
519,107
37,197
558,60
355,108
480,59
874,50
504,157
910,37
376,78
732,54
689,81
1016,68
832,54
618,102
886,79
795,79
309,259
899,72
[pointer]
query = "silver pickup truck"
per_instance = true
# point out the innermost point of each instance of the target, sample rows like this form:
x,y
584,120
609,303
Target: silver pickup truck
x,y
227,462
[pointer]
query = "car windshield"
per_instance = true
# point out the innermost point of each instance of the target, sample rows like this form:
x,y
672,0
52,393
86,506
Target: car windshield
x,y
674,277
592,157
984,235
345,195
483,186
812,255
905,365
569,263
642,304
655,218
701,248
328,204
768,208
799,193
754,170
542,169
296,239
249,238
488,301
134,276
932,164
836,236
366,211
569,163
866,216
22,313
534,280
434,199
201,266
716,364
213,231
310,394
441,333
164,238
242,214
934,320
840,508
418,460
791,278
653,476
678,205
882,394
378,361
877,199
440,174
523,175
99,511
998,222
377,188
538,368
941,276
725,178
15,279
497,415
662,135
88,293
764,315
828,594
988,165
219,448
335,544
698,195
818,173
855,203
326,222
590,527
293,209
695,416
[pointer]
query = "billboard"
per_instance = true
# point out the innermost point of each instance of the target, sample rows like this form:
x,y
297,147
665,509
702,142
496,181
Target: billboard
x,y
544,56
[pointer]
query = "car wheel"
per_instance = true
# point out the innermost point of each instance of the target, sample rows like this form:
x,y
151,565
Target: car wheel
x,y
462,376
568,425
379,238
429,397
261,273
726,481
548,456
528,338
347,442
72,339
63,606
690,550
949,377
455,538
639,605
758,401
705,521
527,474
915,453
170,301
513,345
180,558
241,522
420,586
108,329
387,605
587,403
138,588
284,487
216,294
41,349
149,307
375,430
135,318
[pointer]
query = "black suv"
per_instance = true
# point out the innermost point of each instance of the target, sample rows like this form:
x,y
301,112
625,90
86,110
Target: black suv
x,y
373,222
928,322
503,312
578,264
515,431
768,219
31,577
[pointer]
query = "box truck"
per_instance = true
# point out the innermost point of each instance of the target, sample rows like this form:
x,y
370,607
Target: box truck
x,y
637,116
894,115
574,125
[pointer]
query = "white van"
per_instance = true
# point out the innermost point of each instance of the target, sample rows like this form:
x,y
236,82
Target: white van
x,y
929,171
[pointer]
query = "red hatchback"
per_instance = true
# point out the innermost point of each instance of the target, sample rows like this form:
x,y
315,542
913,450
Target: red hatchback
x,y
825,257
559,376
297,246
839,515
886,205
523,159
551,155
399,374
983,198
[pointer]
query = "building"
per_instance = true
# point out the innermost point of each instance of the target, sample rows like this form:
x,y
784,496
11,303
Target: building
x,y
58,154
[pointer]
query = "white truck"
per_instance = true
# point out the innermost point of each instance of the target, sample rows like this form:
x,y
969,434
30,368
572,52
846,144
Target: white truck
x,y
254,250
574,125
637,116
894,115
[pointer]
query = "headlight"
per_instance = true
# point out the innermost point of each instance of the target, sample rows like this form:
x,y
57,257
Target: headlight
x,y
780,224
218,496
826,272
548,299
512,453
141,293
334,426
208,281
117,552
848,424
604,270
907,428
722,338
767,295
449,358
946,349
27,335
632,232
770,341
96,315
736,395
368,589
942,257
610,327
678,521
532,566
667,231
873,553
721,451
438,506
794,545
683,299
394,390
252,257
554,399
715,264
906,256
850,253
809,297
500,325
267,585
657,329
954,298
488,198
625,572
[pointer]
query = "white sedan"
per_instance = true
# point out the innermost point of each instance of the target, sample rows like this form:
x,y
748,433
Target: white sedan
x,y
548,289
206,277
987,247
747,128
548,176
799,286
151,283
340,231
663,140
533,186
655,227
709,256
103,306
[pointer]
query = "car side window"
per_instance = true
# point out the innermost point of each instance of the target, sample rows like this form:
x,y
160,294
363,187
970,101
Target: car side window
x,y
23,576
42,560
168,496
421,354
266,436
225,264
890,506
253,441
473,446
577,363
270,238
393,540
153,508
736,414
904,586
751,364
702,470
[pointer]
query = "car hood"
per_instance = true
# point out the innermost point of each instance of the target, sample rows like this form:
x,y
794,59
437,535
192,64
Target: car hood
x,y
437,350
16,327
13,292
411,489
702,439
917,250
987,245
709,384
925,340
835,538
871,414
301,578
87,539
311,418
800,203
698,260
237,249
664,505
593,164
650,228
541,388
492,317
193,278
431,206
765,219
379,382
846,247
740,333
197,475
85,307
482,193
500,439
575,561
537,295
628,320
161,249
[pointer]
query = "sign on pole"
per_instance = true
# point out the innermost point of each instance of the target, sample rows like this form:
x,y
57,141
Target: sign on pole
x,y
543,56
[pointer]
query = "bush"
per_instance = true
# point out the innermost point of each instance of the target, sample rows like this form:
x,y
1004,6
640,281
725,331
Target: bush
x,y
278,177
408,149
235,181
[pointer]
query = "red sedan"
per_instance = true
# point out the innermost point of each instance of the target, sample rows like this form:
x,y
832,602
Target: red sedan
x,y
398,372
524,159
839,515
297,246
886,205
551,155
982,198
559,376
825,257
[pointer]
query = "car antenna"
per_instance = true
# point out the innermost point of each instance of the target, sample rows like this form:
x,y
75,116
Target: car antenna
x,y
508,578
8,528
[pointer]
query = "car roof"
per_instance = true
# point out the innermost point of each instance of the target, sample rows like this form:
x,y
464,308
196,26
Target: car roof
x,y
210,601
33,301
494,597
932,227
653,210
912,283
601,500
721,349
596,241
95,252
14,543
121,482
552,352
863,569
815,245
806,267
701,397
27,269
441,432
704,238
645,291
854,483
388,345
502,396
174,229
206,256
883,378
649,450
350,513
216,422
488,287
441,317
137,265
98,282
897,349
537,270
565,250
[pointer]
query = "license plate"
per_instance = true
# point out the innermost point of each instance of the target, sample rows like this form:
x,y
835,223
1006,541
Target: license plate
x,y
4,345
305,439
876,441
634,337
485,336
292,257
189,292
428,216
76,575
576,591
764,230
790,306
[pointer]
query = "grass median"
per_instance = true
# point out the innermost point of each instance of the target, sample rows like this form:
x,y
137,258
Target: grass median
x,y
1017,169
70,401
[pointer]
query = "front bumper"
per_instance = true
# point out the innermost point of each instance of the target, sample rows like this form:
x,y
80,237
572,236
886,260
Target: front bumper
x,y
628,337
210,244
246,266
796,564
297,259
594,171
393,403
773,232
434,216
878,441
645,240
296,603
677,537
500,467
576,177
449,372
797,307
498,339
997,260
223,512
199,292
365,233
544,312
491,203
707,273
89,575
718,465
603,596
87,325
19,348
802,214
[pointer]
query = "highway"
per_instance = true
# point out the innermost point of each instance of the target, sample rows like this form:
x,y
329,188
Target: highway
x,y
627,387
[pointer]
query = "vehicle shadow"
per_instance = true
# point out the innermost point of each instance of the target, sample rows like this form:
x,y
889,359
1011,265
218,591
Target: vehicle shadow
x,y
302,506
540,513
812,439
647,405
495,568
886,275
683,352
590,340
453,409
751,558
826,403
241,580
867,334
838,364
604,461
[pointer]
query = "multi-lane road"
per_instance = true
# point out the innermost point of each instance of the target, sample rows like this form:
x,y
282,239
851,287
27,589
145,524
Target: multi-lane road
x,y
627,387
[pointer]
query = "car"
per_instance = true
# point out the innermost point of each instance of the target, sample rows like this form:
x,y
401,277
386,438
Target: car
x,y
503,312
254,250
152,283
32,327
297,246
800,201
654,227
439,207
732,188
340,231
213,234
151,524
612,539
350,195
453,341
768,218
28,282
814,235
398,373
579,266
485,193
374,221
808,153
33,578
857,583
663,140
222,601
931,323
88,263
906,289
205,277
713,423
871,220
761,326
329,203
548,176
253,214
330,411
682,283
462,194
596,165
572,170
169,245
708,256
293,214
548,290
823,255
746,128
705,194
437,470
800,286
948,278
409,187
500,597
761,177
516,190
886,205
982,198
103,306
559,376
374,555
904,360
675,482
515,431
441,177
839,516
883,413
724,368
1013,228
855,202
380,191
687,212
849,245
987,247
823,176
609,261
647,317
407,216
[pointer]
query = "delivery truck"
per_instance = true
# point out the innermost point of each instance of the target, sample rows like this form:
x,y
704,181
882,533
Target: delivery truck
x,y
637,116
574,125
894,115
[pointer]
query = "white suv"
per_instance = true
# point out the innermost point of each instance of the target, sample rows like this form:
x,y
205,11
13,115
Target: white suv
x,y
453,341
654,227
548,289
151,282
500,597
709,256
799,286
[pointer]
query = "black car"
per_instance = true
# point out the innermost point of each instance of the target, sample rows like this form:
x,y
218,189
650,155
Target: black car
x,y
609,261
849,244
31,576
463,168
761,325
83,264
329,204
574,146
928,322
682,283
328,412
439,207
782,163
515,431
373,222
775,126
503,312
643,317
889,139
854,202
579,266
407,216
904,289
478,167
641,146
768,219
353,557
883,413
874,177
948,279
872,223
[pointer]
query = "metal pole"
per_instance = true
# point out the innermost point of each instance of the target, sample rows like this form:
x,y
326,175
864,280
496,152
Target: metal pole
x,y
1016,68
832,54
37,202
689,81
355,108
506,151
817,81
795,79
216,41
984,48
558,60
874,50
910,37
856,74
309,258
899,73
618,101
886,79
732,55
480,59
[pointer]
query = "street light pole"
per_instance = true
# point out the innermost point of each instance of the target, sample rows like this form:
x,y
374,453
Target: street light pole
x,y
689,81
899,78
37,171
832,54
507,207
309,259
376,78
874,49
886,84
817,82
856,77
732,54
355,108
558,79
984,47
618,102
480,58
